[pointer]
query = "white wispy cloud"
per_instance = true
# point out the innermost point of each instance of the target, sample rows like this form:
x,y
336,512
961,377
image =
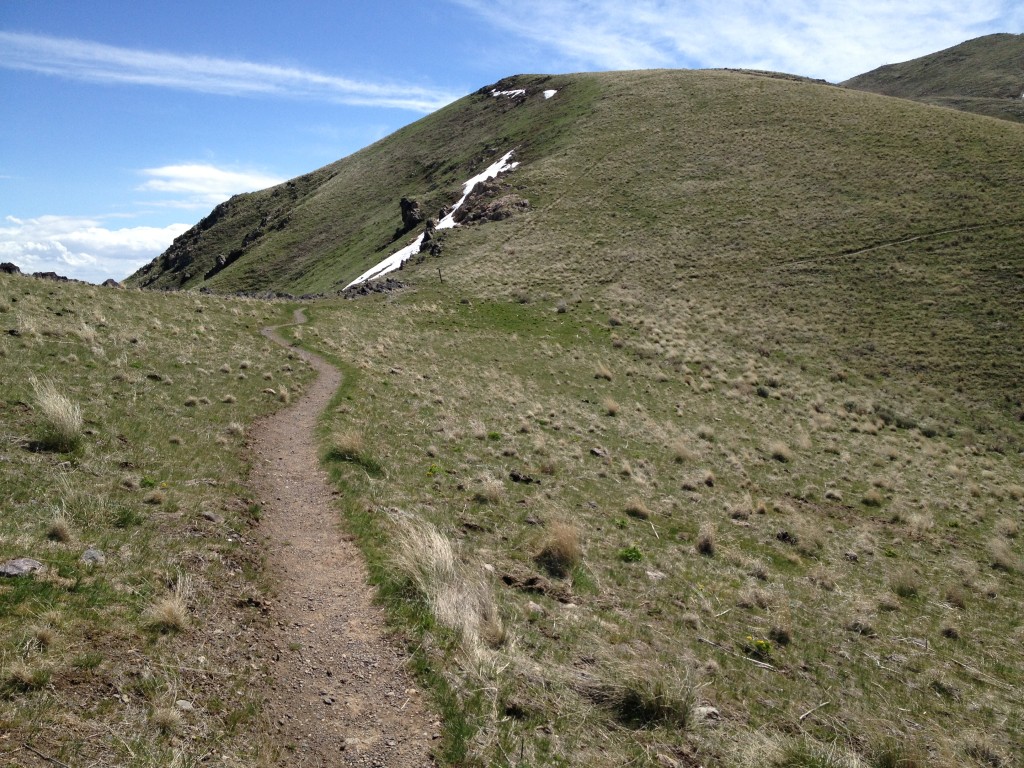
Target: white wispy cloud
x,y
96,62
833,40
199,185
82,248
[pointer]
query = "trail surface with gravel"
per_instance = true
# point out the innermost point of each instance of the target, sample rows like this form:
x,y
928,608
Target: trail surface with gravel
x,y
339,692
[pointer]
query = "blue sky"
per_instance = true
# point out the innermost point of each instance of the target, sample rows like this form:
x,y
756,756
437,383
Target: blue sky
x,y
123,123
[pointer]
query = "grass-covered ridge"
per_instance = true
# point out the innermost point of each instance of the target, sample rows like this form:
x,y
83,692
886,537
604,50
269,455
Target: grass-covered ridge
x,y
122,426
984,75
319,231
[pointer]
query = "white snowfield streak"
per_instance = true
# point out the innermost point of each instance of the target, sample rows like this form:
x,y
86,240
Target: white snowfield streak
x,y
549,93
517,92
394,261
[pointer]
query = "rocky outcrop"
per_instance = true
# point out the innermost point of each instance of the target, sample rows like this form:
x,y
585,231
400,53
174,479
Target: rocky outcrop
x,y
388,285
490,201
431,242
412,214
8,268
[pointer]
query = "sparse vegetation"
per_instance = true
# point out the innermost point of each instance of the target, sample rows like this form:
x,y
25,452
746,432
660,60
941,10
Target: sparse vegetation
x,y
89,420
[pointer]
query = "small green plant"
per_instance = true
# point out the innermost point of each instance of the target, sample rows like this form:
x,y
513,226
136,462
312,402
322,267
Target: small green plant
x,y
631,554
756,647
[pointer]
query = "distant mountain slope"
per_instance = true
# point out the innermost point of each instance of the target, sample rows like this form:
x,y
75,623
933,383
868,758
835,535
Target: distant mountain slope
x,y
320,230
984,75
703,162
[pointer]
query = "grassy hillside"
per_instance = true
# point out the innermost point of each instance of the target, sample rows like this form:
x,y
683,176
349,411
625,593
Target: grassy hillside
x,y
318,232
712,456
984,75
724,432
720,557
122,426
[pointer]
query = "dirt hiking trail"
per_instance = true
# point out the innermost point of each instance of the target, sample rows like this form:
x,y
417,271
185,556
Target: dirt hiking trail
x,y
339,693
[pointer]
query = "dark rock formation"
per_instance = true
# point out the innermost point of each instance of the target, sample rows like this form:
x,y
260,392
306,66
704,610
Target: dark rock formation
x,y
412,214
111,283
52,276
10,269
490,201
388,285
431,242
223,261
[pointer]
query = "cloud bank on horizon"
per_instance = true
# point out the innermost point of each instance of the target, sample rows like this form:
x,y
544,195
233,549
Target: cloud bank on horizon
x,y
829,40
81,247
87,248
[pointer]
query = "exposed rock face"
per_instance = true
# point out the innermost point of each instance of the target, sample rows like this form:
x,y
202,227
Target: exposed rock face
x,y
111,283
51,276
10,269
490,201
365,289
412,215
431,243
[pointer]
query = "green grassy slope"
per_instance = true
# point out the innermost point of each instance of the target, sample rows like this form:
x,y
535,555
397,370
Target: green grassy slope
x,y
781,411
984,75
95,655
319,231
878,234
751,360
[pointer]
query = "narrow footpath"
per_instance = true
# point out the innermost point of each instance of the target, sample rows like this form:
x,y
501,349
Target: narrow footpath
x,y
340,693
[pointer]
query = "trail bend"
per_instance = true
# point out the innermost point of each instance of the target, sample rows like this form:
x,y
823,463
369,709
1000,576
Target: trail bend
x,y
339,692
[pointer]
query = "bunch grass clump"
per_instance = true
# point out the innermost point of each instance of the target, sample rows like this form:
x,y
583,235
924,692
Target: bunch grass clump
x,y
457,596
60,419
562,549
648,695
170,613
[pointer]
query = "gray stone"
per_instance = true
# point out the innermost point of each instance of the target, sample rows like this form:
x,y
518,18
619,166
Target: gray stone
x,y
183,705
22,566
93,556
706,713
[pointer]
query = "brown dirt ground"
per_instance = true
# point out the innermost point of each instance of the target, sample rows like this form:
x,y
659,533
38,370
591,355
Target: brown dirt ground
x,y
339,692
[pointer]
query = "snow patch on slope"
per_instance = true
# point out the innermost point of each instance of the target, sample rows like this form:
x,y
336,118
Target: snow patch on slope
x,y
512,94
549,93
394,261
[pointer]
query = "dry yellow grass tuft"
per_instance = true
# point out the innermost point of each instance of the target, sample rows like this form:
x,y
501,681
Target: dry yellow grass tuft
x,y
458,596
60,420
636,508
562,549
170,614
166,720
